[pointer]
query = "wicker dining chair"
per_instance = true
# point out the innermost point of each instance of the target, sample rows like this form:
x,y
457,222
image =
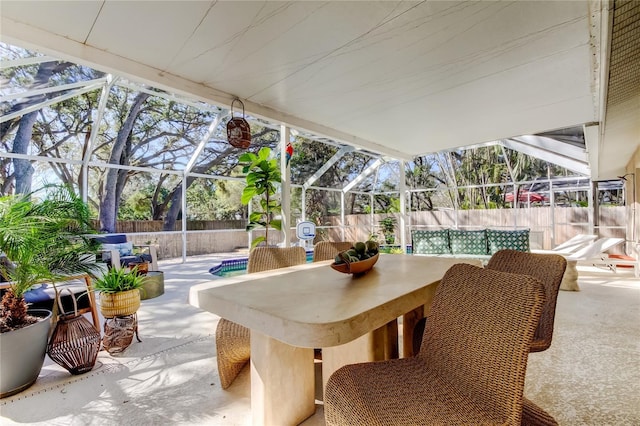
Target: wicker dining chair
x,y
328,250
470,370
549,269
233,344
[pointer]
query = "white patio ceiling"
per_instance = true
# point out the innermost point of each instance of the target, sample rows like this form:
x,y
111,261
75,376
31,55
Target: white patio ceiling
x,y
399,78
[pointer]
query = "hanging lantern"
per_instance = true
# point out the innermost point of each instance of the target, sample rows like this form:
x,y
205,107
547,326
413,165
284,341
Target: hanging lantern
x,y
238,130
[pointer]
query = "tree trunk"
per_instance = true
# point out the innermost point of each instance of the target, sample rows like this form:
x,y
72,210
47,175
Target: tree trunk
x,y
22,169
116,178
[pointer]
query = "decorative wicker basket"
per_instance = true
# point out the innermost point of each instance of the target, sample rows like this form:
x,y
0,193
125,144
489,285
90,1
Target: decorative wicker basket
x,y
119,304
356,268
75,342
118,333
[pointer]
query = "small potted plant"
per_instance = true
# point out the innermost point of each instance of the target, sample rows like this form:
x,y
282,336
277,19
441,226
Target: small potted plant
x,y
119,291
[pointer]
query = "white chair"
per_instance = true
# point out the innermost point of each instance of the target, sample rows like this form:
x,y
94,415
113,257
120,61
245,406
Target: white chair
x,y
594,253
570,246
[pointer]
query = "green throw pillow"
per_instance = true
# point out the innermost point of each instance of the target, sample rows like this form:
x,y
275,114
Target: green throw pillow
x,y
430,242
468,242
513,240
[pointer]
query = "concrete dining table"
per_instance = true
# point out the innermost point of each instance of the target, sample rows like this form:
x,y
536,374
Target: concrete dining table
x,y
291,311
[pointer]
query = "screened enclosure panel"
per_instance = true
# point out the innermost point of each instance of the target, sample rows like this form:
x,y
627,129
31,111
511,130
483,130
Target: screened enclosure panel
x,y
345,170
429,171
307,156
432,200
44,174
479,166
164,133
143,196
215,200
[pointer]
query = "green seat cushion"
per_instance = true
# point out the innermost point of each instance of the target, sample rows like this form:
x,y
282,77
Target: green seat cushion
x,y
468,242
430,242
513,240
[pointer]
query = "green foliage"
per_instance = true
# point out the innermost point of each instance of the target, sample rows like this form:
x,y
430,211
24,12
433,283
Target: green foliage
x,y
116,280
262,178
388,225
43,240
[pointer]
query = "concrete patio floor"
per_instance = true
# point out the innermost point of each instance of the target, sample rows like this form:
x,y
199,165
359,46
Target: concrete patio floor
x,y
589,376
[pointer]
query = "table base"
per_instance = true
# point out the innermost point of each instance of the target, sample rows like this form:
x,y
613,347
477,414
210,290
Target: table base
x,y
282,382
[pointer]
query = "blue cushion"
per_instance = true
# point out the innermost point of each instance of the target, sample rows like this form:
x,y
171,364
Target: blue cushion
x,y
112,239
513,240
468,242
430,242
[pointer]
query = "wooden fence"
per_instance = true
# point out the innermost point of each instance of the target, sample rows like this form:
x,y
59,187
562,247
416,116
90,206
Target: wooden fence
x,y
548,226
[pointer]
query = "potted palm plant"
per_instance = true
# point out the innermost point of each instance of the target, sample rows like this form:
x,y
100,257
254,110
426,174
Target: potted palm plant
x,y
41,240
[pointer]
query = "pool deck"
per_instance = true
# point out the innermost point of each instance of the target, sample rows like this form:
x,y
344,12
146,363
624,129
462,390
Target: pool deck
x,y
589,376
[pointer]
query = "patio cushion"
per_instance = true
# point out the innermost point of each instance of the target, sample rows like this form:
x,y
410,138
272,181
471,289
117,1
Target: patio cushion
x,y
430,242
468,242
125,249
111,239
513,240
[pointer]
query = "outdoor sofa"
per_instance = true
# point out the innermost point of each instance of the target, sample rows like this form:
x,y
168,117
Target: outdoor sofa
x,y
476,244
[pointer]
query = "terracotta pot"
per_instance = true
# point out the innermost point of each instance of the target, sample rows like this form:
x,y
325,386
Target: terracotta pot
x,y
119,304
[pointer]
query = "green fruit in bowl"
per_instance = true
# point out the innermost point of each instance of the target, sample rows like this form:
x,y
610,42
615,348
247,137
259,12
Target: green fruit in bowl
x,y
360,247
371,245
351,252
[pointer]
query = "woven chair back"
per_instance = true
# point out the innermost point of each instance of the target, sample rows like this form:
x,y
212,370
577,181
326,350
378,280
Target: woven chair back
x,y
267,258
549,269
478,333
328,250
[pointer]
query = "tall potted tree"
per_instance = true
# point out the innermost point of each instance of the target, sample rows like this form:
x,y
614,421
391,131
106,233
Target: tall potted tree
x,y
262,178
42,241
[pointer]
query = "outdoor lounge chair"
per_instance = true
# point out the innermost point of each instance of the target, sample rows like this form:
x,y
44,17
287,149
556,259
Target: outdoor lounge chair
x,y
328,250
613,261
456,378
594,252
233,344
572,245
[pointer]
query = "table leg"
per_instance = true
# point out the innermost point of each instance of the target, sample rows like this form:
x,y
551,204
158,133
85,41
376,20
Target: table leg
x,y
282,382
410,319
378,345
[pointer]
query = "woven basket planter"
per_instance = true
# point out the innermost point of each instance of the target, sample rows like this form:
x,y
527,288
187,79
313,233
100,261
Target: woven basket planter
x,y
119,304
